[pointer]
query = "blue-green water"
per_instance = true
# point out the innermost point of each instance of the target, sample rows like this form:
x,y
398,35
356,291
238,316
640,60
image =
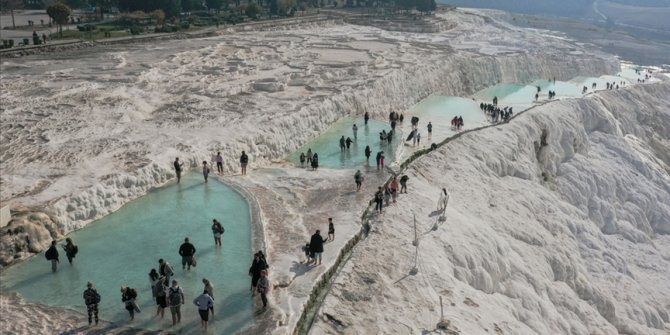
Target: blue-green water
x,y
327,145
562,88
509,94
122,247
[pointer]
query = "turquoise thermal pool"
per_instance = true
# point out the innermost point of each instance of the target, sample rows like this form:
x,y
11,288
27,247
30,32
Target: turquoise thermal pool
x,y
121,249
327,145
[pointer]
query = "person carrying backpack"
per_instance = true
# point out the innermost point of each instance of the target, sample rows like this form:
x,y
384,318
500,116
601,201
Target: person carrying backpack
x,y
91,300
175,299
52,255
161,296
128,297
217,230
71,249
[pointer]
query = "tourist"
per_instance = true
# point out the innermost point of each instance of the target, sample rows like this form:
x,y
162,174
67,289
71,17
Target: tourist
x,y
257,266
308,254
414,137
368,151
418,138
355,130
331,230
403,183
205,170
219,162
302,159
244,160
315,162
387,196
175,299
443,201
264,287
349,141
366,117
393,124
379,198
91,300
165,270
401,118
44,38
394,188
159,293
342,143
316,245
71,249
309,156
210,291
358,178
430,128
217,230
460,122
381,160
128,297
153,279
52,255
177,169
204,303
187,252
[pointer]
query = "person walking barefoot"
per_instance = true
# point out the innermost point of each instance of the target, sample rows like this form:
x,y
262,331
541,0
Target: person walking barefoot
x,y
204,303
91,299
264,287
331,230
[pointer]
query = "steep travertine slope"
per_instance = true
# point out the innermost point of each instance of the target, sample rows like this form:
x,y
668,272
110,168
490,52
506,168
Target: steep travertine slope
x,y
558,223
81,136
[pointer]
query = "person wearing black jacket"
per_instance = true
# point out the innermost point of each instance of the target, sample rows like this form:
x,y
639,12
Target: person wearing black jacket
x,y
186,251
259,264
316,246
379,199
52,255
91,300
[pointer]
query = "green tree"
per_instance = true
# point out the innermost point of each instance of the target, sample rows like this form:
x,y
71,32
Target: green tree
x,y
11,5
253,10
214,4
60,13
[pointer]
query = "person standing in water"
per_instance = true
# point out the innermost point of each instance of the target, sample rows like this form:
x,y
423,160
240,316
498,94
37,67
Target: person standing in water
x,y
177,168
204,302
186,251
379,158
331,230
175,299
342,143
91,300
71,249
219,163
358,178
217,231
210,290
244,160
430,129
315,162
366,117
205,170
165,270
355,130
52,255
349,141
128,297
367,153
257,266
309,156
302,159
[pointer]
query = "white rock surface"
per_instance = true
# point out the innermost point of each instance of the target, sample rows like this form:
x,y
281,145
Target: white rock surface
x,y
567,238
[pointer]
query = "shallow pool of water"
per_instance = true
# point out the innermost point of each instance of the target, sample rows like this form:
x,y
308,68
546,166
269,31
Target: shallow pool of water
x,y
122,247
327,145
439,110
517,96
